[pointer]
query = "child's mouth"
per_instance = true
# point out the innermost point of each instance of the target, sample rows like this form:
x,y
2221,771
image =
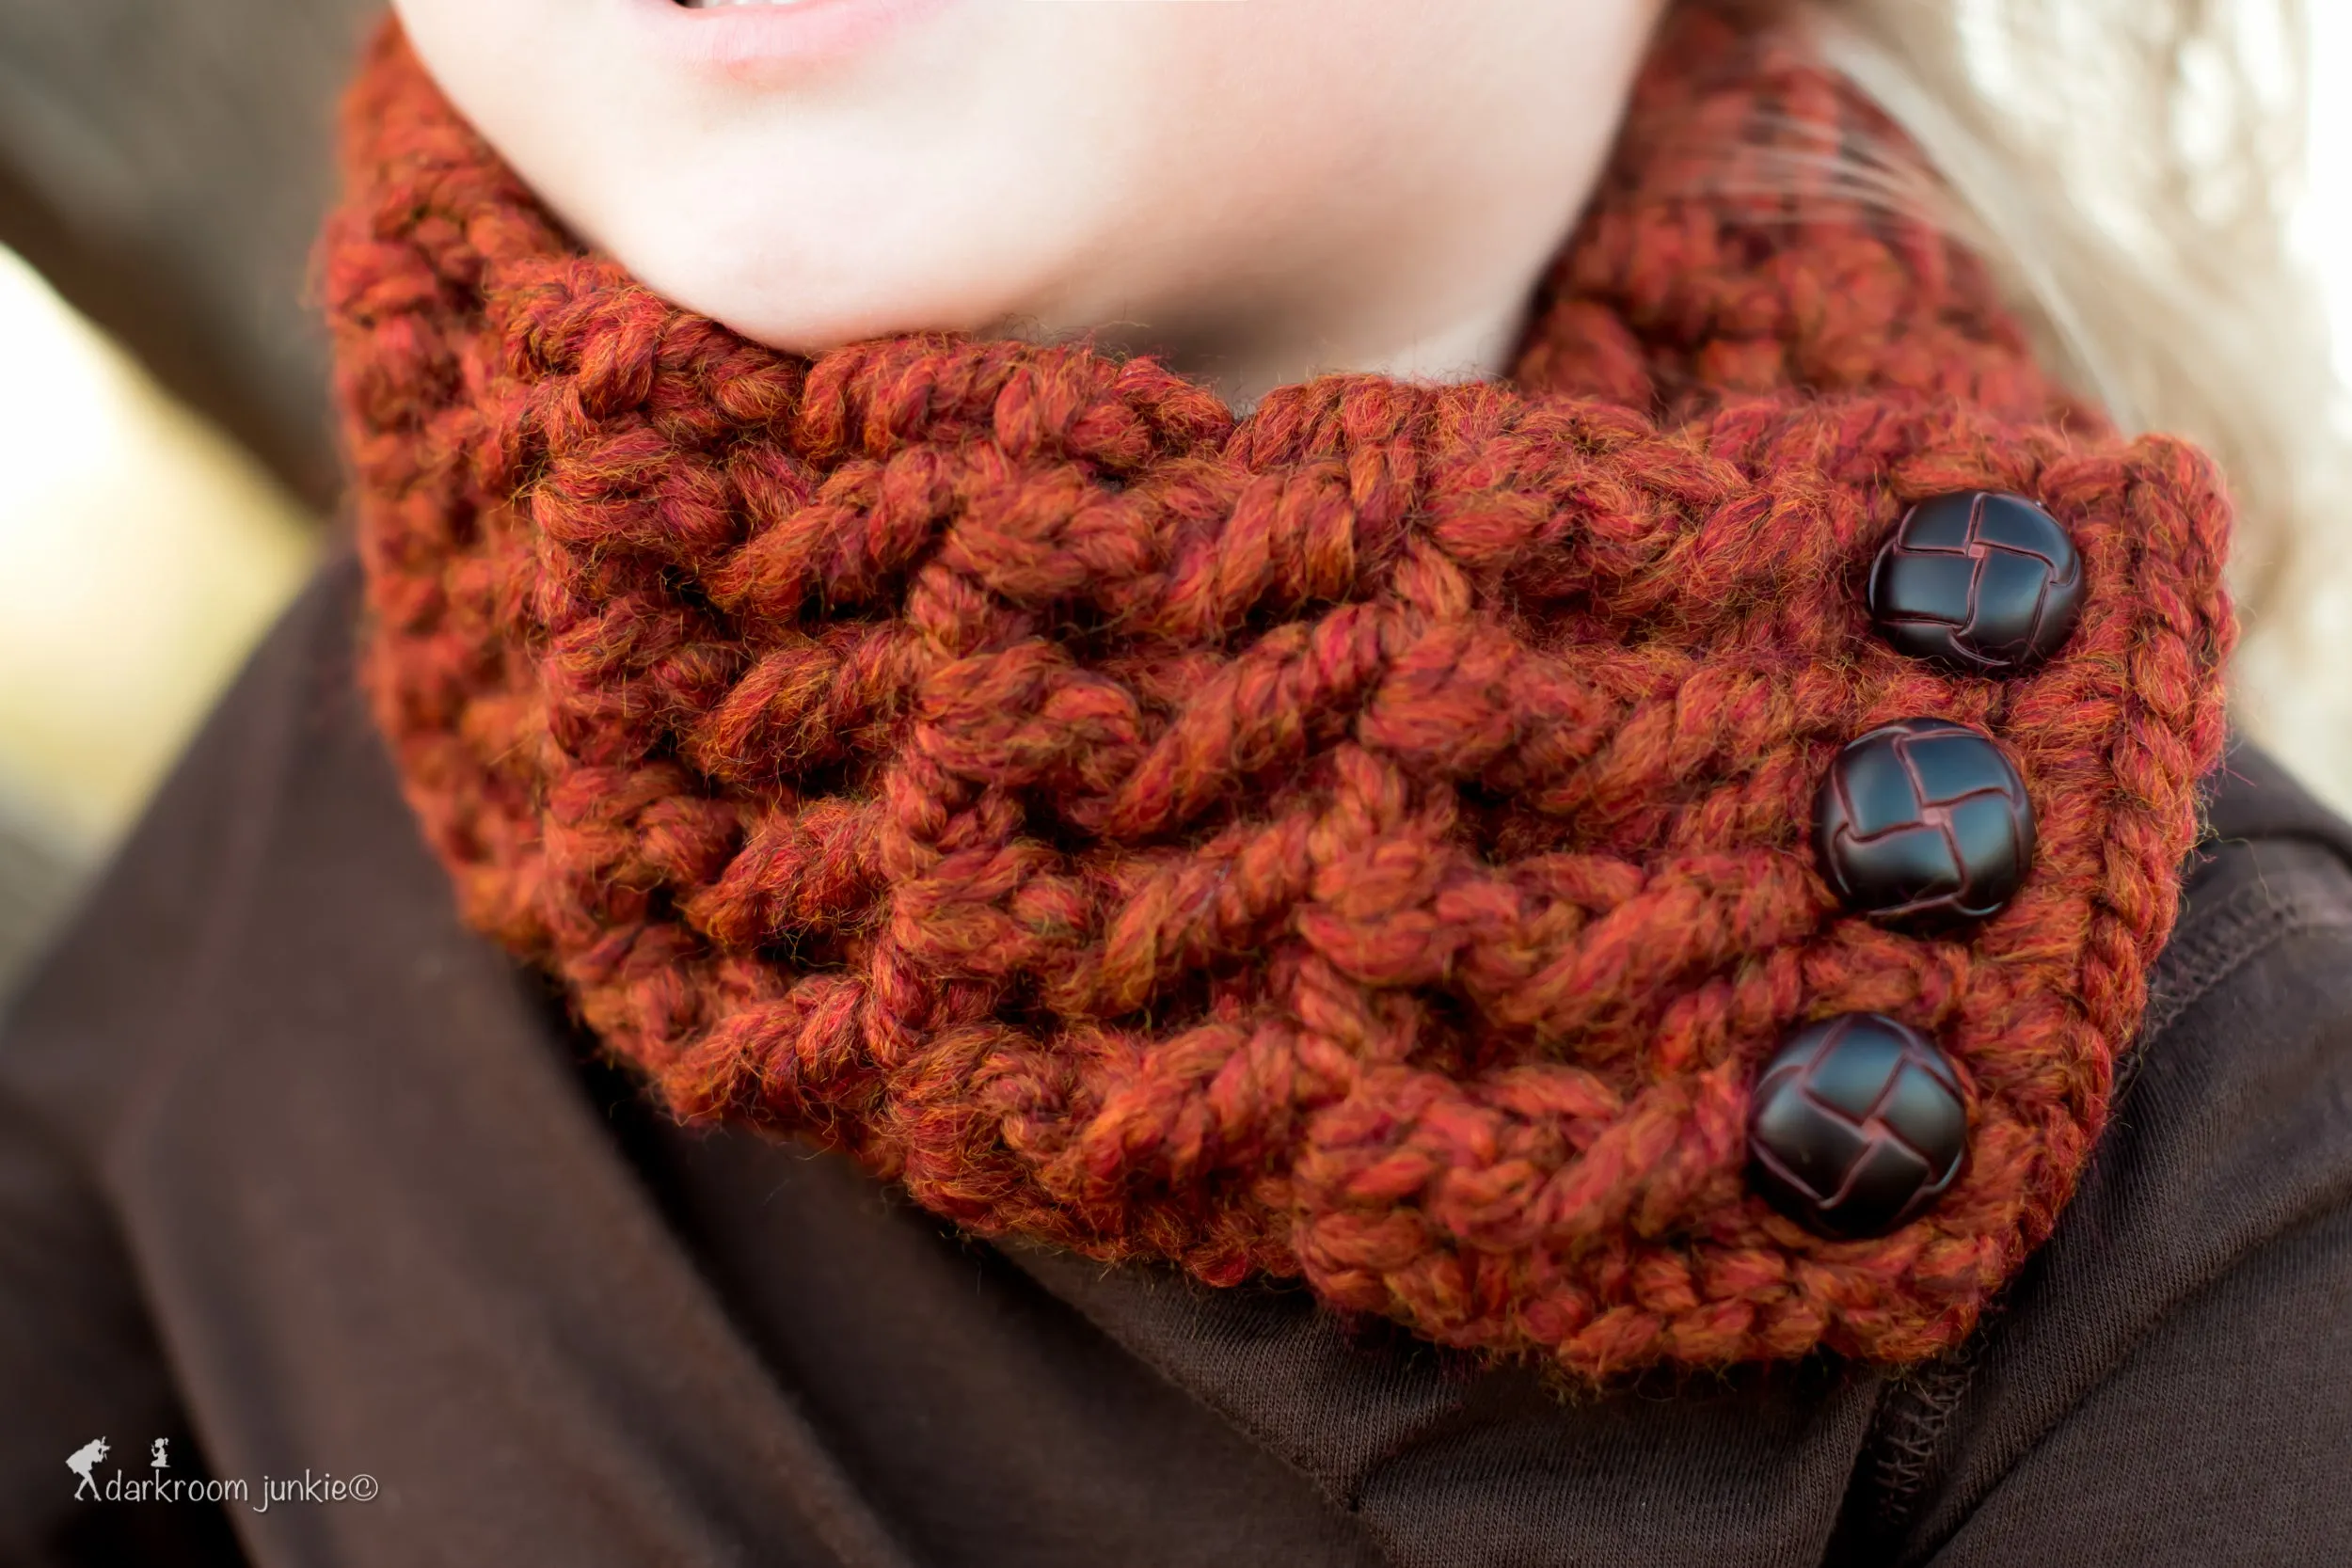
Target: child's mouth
x,y
774,40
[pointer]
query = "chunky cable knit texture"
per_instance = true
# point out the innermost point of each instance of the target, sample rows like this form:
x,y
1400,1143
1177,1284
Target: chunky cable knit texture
x,y
1364,840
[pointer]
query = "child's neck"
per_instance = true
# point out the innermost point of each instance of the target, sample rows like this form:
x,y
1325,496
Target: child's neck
x,y
1243,366
1475,348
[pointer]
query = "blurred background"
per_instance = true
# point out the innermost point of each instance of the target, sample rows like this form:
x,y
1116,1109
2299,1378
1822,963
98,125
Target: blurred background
x,y
166,469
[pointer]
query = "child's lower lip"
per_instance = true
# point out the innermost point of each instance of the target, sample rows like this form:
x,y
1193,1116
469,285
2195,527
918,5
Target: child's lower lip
x,y
754,37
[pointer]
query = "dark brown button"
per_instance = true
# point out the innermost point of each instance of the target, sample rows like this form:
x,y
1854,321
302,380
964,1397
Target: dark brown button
x,y
1923,822
1856,1127
1977,581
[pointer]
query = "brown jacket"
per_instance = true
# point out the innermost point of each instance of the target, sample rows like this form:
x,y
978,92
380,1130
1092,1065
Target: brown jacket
x,y
303,1179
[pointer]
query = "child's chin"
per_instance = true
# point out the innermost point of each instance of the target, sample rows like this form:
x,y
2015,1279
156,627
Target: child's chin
x,y
799,313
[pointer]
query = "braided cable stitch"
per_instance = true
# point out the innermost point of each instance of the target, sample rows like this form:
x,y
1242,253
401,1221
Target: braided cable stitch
x,y
1363,840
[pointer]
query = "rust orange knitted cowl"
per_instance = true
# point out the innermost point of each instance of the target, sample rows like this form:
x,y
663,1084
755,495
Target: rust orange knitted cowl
x,y
1365,840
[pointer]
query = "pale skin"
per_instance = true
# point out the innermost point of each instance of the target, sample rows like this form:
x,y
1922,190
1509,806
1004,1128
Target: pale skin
x,y
1256,190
